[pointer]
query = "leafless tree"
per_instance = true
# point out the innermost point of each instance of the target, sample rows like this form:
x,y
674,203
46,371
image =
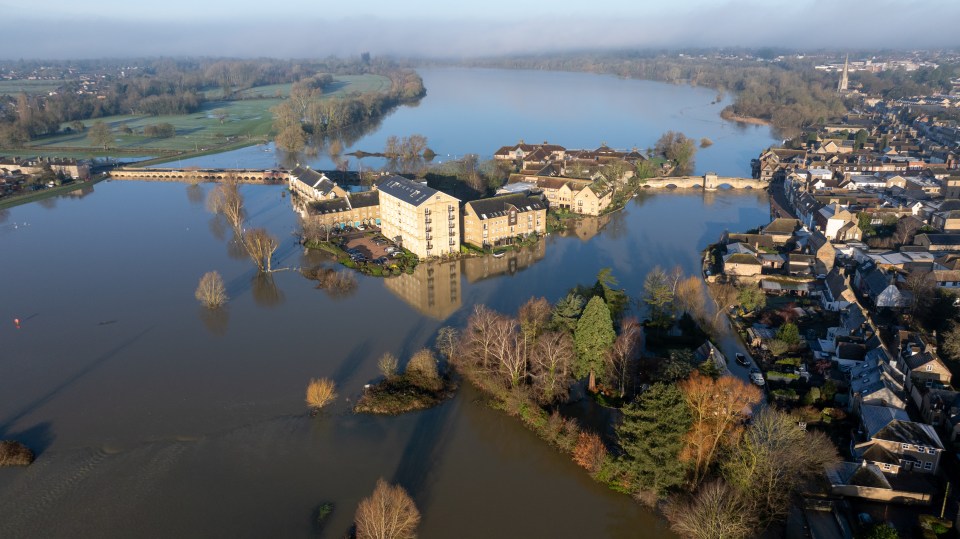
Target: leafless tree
x,y
225,199
389,513
534,316
479,339
550,367
776,457
447,339
507,351
717,511
623,354
211,291
388,365
724,295
260,245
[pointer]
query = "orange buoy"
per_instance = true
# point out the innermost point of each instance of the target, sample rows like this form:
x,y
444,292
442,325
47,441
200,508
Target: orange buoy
x,y
16,322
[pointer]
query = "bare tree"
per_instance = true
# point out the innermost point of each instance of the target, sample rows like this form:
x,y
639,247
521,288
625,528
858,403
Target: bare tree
x,y
534,316
692,300
551,364
388,365
211,292
478,338
320,392
225,199
776,457
507,350
724,296
389,513
260,245
447,339
624,352
717,511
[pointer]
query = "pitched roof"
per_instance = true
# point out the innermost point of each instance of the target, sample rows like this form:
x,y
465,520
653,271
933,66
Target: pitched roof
x,y
335,205
364,199
741,258
781,226
409,191
909,432
487,208
875,418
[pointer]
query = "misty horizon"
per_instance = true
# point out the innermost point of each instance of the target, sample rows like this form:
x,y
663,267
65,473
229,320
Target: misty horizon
x,y
800,26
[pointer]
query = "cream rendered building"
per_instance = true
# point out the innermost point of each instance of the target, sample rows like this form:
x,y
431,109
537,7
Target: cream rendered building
x,y
423,220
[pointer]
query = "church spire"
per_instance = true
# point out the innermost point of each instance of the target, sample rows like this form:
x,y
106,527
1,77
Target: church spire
x,y
842,86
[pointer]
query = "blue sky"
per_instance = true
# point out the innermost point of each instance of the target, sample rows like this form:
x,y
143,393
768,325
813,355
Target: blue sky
x,y
311,28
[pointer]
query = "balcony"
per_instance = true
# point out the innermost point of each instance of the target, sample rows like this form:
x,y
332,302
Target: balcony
x,y
428,220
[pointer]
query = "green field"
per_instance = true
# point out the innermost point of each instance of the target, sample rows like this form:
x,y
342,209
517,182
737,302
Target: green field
x,y
30,87
248,121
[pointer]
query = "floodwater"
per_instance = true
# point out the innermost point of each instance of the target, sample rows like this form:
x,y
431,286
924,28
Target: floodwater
x,y
480,110
153,418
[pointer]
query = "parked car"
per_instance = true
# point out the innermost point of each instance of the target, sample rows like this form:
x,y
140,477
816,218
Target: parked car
x,y
361,227
390,249
742,359
757,377
381,260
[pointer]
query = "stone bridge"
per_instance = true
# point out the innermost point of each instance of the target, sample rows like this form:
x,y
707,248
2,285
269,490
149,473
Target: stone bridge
x,y
708,182
199,175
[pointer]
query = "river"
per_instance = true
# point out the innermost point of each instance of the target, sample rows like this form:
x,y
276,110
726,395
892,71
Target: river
x,y
152,418
480,110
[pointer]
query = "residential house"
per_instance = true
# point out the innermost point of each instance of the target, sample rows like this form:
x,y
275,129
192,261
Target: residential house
x,y
593,199
906,444
941,408
741,261
501,220
423,220
939,242
837,295
781,229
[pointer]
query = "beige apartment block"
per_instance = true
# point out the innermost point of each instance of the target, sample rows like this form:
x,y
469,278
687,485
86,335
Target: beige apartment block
x,y
423,220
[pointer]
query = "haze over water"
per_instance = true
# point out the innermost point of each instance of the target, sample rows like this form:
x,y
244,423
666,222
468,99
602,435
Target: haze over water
x,y
153,418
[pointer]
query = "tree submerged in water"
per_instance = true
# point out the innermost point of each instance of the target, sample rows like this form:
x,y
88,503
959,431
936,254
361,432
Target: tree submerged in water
x,y
211,291
389,513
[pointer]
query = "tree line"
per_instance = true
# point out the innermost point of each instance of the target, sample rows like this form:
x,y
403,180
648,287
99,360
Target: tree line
x,y
154,87
307,117
694,442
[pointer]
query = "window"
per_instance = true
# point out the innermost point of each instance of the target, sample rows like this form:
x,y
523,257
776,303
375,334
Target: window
x,y
928,466
929,368
932,450
904,446
886,466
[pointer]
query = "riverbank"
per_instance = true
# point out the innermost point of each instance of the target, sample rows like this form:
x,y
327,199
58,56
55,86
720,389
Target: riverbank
x,y
35,196
728,114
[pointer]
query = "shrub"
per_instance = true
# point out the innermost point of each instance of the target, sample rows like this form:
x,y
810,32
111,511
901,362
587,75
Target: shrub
x,y
320,392
778,347
590,453
812,396
422,371
15,454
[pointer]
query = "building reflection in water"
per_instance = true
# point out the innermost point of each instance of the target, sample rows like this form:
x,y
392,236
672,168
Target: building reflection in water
x,y
483,267
587,227
433,288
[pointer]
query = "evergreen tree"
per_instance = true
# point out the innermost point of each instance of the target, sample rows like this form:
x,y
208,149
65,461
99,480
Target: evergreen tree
x,y
567,311
651,436
593,338
617,300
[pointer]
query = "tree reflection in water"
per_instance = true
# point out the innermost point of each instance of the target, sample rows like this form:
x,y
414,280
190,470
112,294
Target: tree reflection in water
x,y
265,291
215,320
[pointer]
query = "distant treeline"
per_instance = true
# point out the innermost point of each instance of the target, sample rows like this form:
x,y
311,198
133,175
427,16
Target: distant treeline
x,y
309,118
152,87
789,93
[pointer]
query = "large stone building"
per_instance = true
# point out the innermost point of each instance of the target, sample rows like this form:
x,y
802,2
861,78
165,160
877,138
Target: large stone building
x,y
314,185
423,220
352,210
72,168
500,220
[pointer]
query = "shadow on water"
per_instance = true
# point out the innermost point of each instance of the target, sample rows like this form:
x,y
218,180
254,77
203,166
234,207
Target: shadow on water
x,y
424,450
38,437
91,367
348,367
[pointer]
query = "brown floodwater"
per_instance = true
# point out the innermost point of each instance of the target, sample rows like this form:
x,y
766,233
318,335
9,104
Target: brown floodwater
x,y
153,418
